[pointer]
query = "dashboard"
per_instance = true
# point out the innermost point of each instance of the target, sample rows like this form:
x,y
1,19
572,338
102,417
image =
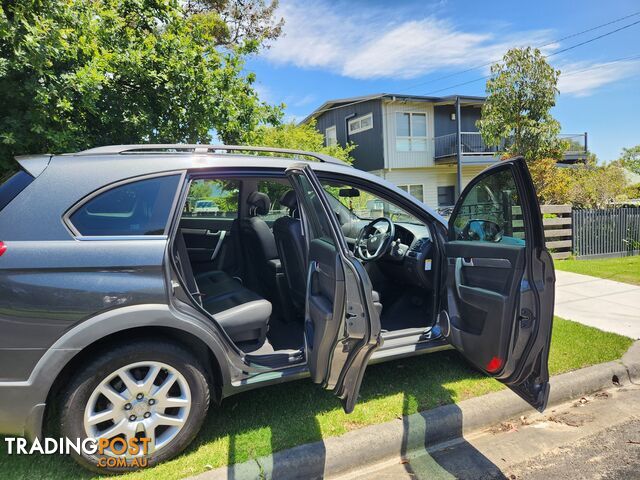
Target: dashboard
x,y
410,258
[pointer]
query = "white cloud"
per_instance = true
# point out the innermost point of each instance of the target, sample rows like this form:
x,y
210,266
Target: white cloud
x,y
583,79
377,42
303,101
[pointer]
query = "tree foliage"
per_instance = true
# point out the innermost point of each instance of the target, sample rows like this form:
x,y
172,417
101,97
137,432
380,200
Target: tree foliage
x,y
239,22
520,94
301,137
80,73
582,185
630,158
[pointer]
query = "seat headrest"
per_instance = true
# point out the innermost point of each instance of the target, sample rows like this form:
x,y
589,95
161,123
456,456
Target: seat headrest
x,y
259,203
289,200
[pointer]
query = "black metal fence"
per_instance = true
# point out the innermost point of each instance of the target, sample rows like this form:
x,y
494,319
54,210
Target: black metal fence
x,y
610,232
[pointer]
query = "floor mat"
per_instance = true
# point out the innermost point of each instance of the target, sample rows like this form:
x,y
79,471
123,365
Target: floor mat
x,y
411,310
284,335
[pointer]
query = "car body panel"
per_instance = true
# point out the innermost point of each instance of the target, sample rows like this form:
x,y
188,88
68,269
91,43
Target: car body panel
x,y
60,293
342,328
48,287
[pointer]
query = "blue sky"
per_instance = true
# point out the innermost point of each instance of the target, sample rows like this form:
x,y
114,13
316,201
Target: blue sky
x,y
335,49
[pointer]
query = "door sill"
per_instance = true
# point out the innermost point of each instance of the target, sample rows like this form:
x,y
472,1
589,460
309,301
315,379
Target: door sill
x,y
406,332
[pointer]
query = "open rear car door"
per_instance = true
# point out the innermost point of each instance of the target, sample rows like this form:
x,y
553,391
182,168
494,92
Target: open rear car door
x,y
342,326
500,281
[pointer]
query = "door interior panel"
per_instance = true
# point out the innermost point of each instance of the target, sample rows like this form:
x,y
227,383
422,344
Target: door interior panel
x,y
500,280
483,290
325,291
205,239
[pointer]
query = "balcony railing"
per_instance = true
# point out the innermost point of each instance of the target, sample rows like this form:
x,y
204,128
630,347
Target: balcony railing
x,y
472,144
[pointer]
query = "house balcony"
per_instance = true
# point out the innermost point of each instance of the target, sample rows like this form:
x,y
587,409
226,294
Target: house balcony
x,y
475,151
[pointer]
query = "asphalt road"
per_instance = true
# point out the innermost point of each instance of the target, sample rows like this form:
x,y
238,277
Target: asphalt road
x,y
611,453
597,437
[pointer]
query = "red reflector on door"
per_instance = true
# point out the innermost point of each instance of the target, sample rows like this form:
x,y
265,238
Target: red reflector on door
x,y
3,248
494,365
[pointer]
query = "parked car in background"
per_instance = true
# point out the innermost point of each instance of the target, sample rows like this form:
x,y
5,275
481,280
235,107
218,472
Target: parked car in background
x,y
124,315
205,206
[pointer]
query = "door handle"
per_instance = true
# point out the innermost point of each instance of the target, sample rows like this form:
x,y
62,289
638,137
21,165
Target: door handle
x,y
485,262
467,262
221,234
458,275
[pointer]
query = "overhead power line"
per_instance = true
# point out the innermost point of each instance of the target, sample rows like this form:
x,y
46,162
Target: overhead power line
x,y
552,42
546,56
484,77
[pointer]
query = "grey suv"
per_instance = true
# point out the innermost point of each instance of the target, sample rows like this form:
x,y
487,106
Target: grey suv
x,y
126,308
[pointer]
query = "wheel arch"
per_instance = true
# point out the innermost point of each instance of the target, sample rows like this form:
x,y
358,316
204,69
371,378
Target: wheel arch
x,y
127,324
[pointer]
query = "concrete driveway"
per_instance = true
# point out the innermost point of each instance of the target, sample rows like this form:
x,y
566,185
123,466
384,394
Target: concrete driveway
x,y
604,304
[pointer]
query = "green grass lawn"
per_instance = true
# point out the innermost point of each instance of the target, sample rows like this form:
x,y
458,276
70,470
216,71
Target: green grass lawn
x,y
263,421
622,269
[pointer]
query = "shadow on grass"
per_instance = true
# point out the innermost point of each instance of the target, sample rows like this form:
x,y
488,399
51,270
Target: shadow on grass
x,y
267,420
300,412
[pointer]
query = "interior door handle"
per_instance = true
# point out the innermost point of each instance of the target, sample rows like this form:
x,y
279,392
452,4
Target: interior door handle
x,y
485,262
221,234
458,275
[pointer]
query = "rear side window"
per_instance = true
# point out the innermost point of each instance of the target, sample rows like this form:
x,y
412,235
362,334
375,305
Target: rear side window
x,y
136,208
11,185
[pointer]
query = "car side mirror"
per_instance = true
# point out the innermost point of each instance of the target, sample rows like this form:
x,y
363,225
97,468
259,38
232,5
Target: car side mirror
x,y
481,230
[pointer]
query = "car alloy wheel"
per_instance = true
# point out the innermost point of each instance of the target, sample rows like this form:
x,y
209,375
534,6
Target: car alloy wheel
x,y
144,399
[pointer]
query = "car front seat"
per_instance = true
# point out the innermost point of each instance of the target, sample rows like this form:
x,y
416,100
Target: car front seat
x,y
259,246
292,249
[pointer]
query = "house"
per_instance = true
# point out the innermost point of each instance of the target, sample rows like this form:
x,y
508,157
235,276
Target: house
x,y
412,140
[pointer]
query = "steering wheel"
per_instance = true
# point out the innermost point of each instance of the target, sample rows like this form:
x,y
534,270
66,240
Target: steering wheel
x,y
372,242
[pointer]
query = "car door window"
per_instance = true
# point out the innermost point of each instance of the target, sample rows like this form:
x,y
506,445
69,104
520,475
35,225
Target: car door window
x,y
274,190
212,199
491,211
135,208
318,224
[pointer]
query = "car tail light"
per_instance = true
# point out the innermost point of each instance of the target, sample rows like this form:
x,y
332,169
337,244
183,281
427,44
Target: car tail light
x,y
3,248
494,365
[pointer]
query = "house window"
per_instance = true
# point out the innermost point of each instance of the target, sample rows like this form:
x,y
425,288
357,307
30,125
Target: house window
x,y
330,136
360,124
446,196
411,132
415,190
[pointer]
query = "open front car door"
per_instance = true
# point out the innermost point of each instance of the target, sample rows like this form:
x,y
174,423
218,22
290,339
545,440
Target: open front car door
x,y
500,281
342,327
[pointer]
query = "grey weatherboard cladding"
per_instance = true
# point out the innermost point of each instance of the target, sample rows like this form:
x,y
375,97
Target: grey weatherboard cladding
x,y
369,153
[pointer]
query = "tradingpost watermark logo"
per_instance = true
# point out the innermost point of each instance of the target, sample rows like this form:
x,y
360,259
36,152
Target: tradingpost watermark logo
x,y
113,453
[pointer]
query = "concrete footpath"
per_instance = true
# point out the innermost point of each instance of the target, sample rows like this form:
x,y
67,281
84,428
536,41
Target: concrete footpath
x,y
604,304
417,434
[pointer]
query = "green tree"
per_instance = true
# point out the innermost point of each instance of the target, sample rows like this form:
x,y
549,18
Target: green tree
x,y
630,159
516,115
301,137
239,22
81,73
597,186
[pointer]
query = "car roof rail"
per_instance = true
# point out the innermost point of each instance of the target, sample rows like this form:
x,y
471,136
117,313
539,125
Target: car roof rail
x,y
200,148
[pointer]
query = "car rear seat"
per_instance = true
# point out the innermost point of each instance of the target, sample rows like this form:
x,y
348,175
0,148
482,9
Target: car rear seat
x,y
243,314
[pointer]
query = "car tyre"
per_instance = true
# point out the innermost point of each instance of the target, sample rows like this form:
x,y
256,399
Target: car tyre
x,y
171,361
